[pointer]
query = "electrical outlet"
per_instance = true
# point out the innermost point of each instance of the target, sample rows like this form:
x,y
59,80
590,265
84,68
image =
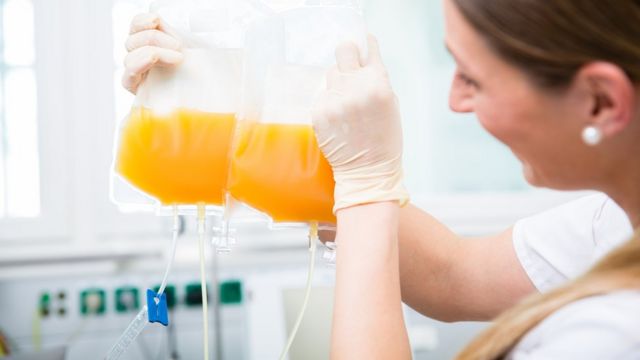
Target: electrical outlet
x,y
44,306
127,299
193,295
231,292
92,302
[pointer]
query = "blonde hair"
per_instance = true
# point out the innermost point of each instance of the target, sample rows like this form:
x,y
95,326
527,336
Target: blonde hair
x,y
620,270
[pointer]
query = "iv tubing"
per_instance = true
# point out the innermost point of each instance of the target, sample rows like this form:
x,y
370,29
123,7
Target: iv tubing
x,y
141,319
172,256
36,327
203,280
313,237
222,243
129,335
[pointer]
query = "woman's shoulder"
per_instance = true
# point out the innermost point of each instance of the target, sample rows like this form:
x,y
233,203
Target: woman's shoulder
x,y
598,327
564,242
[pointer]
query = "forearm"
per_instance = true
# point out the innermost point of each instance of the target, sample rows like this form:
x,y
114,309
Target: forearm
x,y
450,278
428,252
368,321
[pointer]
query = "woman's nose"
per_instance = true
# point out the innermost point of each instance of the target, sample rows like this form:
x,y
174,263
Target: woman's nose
x,y
460,102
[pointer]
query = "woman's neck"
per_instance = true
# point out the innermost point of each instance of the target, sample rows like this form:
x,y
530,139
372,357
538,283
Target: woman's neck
x,y
626,192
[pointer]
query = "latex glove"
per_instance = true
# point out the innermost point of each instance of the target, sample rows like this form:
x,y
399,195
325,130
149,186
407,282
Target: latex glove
x,y
149,45
357,125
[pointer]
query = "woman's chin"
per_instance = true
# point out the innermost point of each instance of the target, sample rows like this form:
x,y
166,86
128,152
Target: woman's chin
x,y
530,175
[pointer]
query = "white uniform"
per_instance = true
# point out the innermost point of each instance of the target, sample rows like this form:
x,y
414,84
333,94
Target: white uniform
x,y
559,245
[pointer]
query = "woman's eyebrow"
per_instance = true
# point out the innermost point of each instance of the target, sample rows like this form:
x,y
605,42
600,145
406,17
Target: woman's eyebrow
x,y
457,60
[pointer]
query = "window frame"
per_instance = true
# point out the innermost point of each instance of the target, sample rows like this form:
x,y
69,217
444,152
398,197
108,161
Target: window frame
x,y
71,84
51,222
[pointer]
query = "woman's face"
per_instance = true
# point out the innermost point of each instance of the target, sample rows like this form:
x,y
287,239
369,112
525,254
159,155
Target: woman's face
x,y
541,128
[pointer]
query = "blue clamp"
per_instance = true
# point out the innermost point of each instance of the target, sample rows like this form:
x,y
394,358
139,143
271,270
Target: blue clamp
x,y
157,308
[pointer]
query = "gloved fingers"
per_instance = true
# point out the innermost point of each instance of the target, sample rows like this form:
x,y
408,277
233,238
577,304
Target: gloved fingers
x,y
319,120
131,82
145,21
327,110
374,58
142,59
336,79
151,38
342,83
348,57
139,61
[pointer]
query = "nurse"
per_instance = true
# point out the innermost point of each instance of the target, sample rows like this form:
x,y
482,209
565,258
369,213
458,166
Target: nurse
x,y
559,83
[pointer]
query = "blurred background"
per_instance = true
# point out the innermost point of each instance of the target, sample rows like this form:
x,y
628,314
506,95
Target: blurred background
x,y
73,270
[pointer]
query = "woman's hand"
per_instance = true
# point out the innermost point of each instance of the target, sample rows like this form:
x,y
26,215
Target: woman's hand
x,y
357,125
149,45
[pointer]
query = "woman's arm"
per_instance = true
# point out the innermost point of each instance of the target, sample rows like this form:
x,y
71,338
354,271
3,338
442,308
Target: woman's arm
x,y
445,276
357,125
451,278
367,318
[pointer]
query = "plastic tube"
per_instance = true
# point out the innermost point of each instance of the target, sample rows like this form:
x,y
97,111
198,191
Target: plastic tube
x,y
223,243
140,321
203,280
329,254
129,335
36,330
223,237
313,237
174,242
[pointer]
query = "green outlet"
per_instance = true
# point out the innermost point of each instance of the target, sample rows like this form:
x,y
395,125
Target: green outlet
x,y
170,291
127,299
193,295
231,292
45,304
93,302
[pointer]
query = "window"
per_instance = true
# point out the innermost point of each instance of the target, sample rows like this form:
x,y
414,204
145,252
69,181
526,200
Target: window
x,y
56,138
19,161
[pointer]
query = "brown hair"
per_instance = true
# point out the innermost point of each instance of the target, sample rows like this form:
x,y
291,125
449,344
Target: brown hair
x,y
550,40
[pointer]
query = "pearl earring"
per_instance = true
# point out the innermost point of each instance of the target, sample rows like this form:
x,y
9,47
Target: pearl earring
x,y
591,135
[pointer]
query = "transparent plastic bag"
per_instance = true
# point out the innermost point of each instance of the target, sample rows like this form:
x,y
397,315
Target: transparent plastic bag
x,y
173,147
277,167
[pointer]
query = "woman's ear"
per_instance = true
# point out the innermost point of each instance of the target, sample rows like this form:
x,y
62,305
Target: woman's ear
x,y
611,96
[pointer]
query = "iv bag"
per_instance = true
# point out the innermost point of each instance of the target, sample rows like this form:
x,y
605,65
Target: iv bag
x,y
277,167
173,147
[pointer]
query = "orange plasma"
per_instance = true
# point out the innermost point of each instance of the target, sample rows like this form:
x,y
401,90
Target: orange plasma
x,y
278,169
179,158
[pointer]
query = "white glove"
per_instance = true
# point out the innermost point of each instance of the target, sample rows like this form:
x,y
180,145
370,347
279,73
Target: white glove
x,y
357,125
148,44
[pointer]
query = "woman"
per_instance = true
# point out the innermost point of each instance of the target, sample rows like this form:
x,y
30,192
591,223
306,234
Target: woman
x,y
556,81
559,83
